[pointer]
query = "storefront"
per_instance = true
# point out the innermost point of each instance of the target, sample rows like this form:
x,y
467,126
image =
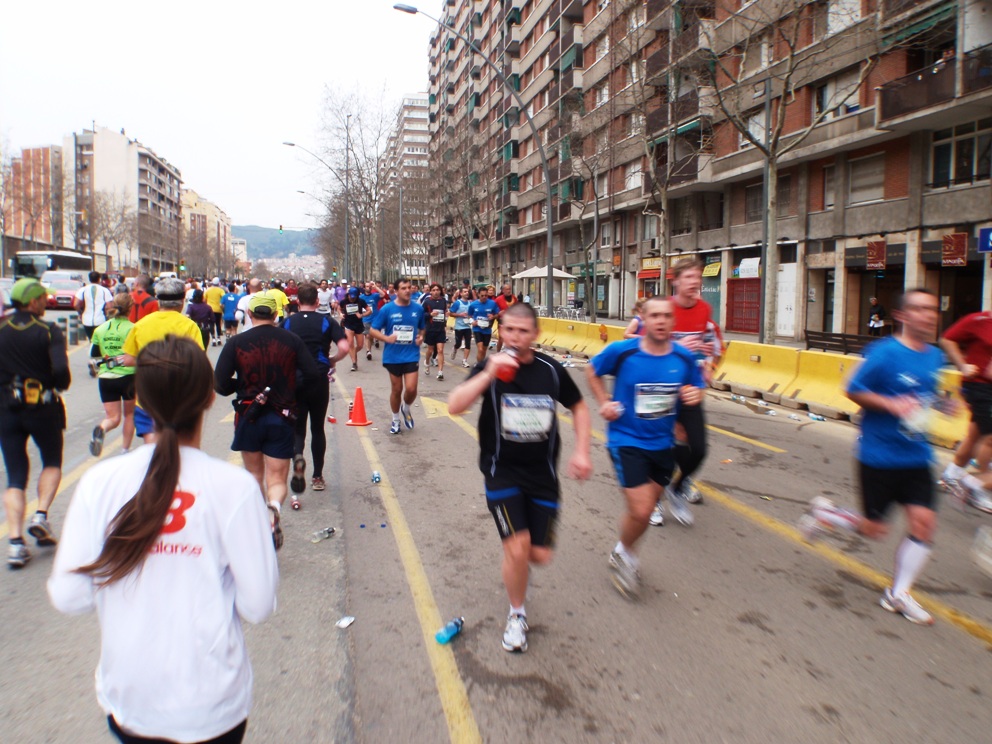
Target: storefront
x,y
744,290
649,277
954,271
874,269
599,288
710,290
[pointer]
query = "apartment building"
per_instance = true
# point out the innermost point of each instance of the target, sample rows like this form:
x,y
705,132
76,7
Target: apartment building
x,y
32,201
125,202
404,172
649,112
205,239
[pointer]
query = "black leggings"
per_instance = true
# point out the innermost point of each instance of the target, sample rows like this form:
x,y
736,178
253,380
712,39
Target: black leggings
x,y
234,736
311,401
689,457
44,424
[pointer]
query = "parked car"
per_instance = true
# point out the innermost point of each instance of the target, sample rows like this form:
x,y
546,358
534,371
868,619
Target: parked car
x,y
52,276
62,293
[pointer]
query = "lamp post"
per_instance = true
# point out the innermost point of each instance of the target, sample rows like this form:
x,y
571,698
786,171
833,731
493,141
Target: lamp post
x,y
533,129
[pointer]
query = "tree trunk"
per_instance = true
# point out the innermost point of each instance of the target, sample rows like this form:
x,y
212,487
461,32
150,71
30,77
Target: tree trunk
x,y
769,272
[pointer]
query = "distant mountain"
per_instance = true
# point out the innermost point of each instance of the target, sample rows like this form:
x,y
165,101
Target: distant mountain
x,y
266,242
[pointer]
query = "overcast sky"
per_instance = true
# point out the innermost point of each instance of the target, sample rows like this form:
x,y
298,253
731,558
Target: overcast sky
x,y
213,86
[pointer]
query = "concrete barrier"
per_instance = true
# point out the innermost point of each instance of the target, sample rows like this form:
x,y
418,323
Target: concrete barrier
x,y
819,384
572,337
547,329
948,431
756,370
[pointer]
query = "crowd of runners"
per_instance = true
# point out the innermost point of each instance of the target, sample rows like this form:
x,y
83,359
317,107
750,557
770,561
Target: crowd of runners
x,y
281,346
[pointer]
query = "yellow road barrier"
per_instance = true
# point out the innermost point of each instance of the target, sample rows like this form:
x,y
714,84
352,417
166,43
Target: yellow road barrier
x,y
757,369
819,384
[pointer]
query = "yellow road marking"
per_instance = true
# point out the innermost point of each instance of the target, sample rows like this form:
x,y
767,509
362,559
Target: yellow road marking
x,y
867,573
462,726
755,442
439,409
228,419
68,481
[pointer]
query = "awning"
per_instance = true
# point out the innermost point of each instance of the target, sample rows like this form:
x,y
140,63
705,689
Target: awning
x,y
649,274
682,129
712,269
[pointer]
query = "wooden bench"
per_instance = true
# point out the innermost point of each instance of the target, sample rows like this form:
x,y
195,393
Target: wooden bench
x,y
842,343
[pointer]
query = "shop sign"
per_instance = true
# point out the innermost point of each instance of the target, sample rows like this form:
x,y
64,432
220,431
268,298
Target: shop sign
x,y
749,268
651,263
875,255
985,240
954,250
712,269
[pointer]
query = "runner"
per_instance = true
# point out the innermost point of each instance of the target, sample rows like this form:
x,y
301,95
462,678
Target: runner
x,y
144,301
275,291
400,325
243,316
503,301
91,303
202,314
170,547
325,298
371,298
482,311
292,292
229,303
436,309
263,359
635,329
34,367
519,448
318,331
116,381
463,325
213,295
354,310
653,378
896,386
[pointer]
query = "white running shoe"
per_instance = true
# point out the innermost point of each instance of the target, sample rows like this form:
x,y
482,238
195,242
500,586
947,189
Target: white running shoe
x,y
465,365
691,493
515,634
906,606
440,375
679,508
626,578
657,518
17,556
811,528
980,499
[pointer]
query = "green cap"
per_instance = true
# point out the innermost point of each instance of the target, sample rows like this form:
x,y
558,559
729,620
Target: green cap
x,y
262,305
26,290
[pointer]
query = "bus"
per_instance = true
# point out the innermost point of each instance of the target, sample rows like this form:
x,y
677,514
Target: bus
x,y
35,263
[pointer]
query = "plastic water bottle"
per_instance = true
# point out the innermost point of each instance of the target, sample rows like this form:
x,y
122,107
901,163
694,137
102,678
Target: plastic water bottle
x,y
450,630
376,478
255,409
507,374
816,417
737,398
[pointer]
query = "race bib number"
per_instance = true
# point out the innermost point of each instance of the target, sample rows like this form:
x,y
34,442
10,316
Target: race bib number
x,y
439,316
526,418
404,334
351,309
654,400
482,322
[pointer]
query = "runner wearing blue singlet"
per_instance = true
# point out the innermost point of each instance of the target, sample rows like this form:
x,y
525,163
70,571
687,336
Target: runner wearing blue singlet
x,y
400,326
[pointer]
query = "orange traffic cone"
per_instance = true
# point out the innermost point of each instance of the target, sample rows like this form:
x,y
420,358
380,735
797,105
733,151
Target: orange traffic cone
x,y
358,417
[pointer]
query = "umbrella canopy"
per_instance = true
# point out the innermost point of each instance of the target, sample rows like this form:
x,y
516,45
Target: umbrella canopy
x,y
542,273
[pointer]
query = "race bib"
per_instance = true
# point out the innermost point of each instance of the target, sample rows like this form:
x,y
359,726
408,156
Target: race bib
x,y
526,418
439,316
351,309
404,334
655,400
482,322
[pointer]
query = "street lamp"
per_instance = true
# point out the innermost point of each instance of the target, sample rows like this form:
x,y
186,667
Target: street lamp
x,y
533,128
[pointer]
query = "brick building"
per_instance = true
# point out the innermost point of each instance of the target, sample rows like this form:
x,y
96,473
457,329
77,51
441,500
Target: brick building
x,y
33,199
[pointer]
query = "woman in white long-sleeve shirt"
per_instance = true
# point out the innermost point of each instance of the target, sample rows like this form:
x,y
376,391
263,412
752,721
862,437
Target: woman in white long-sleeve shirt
x,y
172,548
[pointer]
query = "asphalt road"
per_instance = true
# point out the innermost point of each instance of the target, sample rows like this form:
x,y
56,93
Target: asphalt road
x,y
744,633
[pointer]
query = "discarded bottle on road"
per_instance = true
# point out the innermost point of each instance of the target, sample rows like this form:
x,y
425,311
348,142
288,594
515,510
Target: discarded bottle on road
x,y
376,478
816,417
450,630
770,412
255,409
794,417
737,398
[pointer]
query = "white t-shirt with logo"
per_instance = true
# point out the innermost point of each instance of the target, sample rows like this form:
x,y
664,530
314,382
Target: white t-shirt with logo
x,y
94,298
173,661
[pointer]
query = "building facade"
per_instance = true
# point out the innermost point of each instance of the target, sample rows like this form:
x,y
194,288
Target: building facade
x,y
652,117
206,243
125,202
33,201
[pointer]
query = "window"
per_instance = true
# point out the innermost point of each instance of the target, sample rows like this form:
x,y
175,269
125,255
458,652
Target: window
x,y
606,235
681,216
842,14
755,127
602,46
828,187
632,175
784,196
754,206
867,179
602,185
603,93
649,227
712,210
962,155
837,96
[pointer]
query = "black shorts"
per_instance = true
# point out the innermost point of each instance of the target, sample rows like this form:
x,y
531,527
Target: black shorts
x,y
534,509
271,434
350,325
398,370
230,324
482,338
434,336
44,424
463,338
113,389
635,466
882,488
978,396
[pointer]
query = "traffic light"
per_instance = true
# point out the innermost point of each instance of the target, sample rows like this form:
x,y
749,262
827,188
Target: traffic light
x,y
334,271
280,229
182,267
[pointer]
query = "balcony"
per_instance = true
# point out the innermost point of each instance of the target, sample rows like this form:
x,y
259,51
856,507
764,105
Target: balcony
x,y
694,37
657,119
686,107
571,81
658,17
512,39
976,73
657,67
917,91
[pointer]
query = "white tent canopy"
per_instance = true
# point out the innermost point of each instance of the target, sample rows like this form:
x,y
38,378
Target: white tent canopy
x,y
542,273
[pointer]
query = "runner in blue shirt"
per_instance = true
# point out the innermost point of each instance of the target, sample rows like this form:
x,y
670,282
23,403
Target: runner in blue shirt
x,y
653,377
400,326
229,305
463,324
482,313
896,386
371,298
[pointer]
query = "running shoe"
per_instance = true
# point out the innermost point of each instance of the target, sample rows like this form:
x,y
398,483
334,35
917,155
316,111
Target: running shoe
x,y
368,355
811,528
354,368
434,361
515,634
691,493
298,482
377,344
41,531
440,375
96,442
318,484
465,365
427,368
657,518
980,499
679,508
17,556
626,578
906,606
394,428
276,529
407,415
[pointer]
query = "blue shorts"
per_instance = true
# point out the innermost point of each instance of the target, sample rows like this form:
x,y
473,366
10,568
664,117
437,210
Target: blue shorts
x,y
271,434
635,466
143,424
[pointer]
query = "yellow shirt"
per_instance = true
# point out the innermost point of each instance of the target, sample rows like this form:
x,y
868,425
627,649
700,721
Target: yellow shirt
x,y
281,299
157,326
212,297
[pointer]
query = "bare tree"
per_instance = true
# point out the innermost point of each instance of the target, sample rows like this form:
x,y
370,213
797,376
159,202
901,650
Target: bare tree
x,y
6,200
113,222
